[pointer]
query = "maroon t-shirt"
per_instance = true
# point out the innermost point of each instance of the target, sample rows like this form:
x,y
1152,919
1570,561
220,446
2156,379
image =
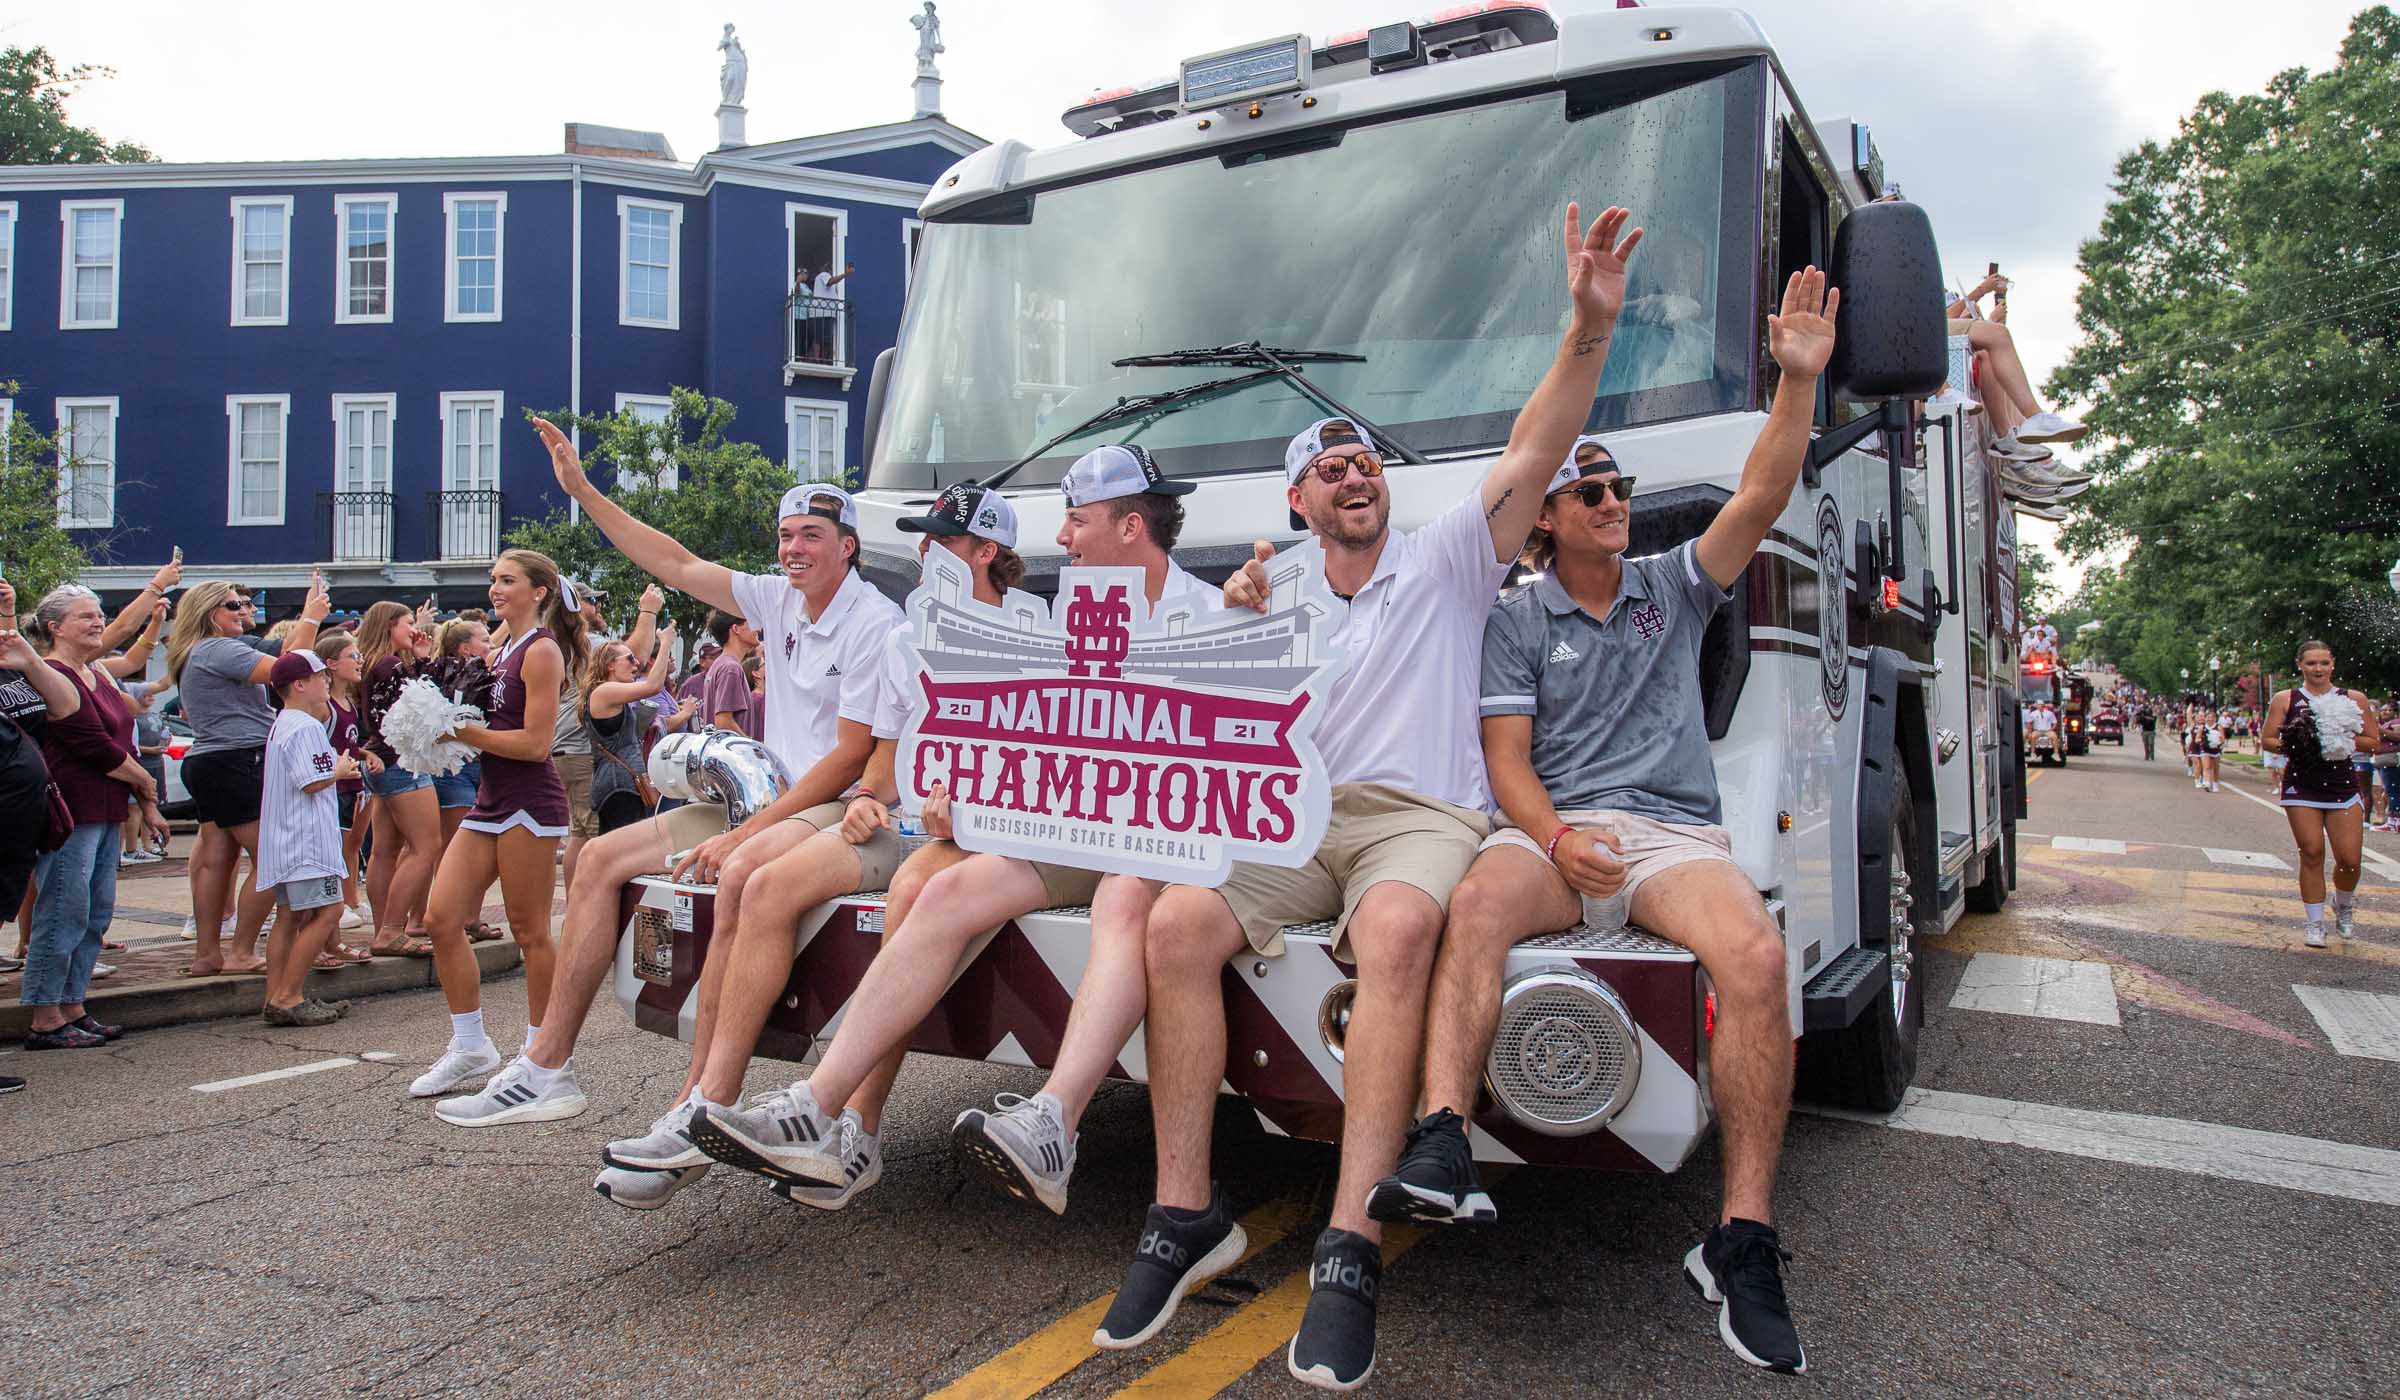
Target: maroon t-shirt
x,y
727,691
376,694
84,747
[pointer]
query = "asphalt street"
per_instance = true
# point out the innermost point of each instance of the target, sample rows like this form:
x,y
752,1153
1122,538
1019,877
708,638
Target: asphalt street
x,y
2140,1164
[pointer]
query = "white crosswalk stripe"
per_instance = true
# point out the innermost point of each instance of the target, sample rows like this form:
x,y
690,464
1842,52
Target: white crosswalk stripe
x,y
2055,989
2097,844
2256,859
2361,1024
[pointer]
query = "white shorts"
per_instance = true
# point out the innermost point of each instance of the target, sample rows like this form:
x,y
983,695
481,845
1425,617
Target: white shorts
x,y
1646,845
315,892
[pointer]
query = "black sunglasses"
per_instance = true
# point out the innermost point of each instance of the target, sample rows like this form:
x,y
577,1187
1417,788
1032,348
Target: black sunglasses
x,y
236,604
1592,493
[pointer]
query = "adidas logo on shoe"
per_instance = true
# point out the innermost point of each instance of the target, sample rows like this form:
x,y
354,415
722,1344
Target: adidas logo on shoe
x,y
1563,652
1156,1245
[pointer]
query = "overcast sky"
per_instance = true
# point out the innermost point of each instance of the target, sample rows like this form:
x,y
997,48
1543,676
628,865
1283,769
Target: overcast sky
x,y
2003,120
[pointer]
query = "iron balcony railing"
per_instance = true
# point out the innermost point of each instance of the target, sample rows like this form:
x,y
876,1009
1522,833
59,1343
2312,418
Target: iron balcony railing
x,y
468,524
820,331
358,525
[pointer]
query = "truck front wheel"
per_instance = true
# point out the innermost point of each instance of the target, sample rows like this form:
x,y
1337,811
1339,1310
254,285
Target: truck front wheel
x,y
1870,1063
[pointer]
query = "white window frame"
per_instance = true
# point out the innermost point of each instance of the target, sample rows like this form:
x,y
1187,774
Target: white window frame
x,y
793,409
342,404
234,404
664,473
841,255
341,258
674,213
8,266
116,454
442,483
67,210
283,293
450,203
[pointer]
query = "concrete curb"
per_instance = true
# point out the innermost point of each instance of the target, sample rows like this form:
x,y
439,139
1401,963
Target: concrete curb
x,y
215,998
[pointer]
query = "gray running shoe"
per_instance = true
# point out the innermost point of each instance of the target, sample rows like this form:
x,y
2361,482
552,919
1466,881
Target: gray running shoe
x,y
783,1136
644,1190
512,1097
2342,921
454,1068
1023,1145
663,1149
301,1013
862,1166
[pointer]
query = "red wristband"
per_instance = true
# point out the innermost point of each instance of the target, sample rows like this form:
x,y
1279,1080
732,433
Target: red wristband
x,y
1551,851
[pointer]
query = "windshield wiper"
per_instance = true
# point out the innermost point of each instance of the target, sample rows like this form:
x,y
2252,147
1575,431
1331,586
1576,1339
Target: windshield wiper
x,y
1269,363
1133,406
1284,362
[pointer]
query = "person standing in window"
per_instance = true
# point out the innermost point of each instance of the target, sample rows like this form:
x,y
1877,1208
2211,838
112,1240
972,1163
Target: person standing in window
x,y
91,758
825,306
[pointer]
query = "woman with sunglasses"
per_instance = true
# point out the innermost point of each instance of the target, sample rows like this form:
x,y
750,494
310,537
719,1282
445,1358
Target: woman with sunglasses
x,y
222,678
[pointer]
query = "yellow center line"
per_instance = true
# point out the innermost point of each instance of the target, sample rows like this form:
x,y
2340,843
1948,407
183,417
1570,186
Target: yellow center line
x,y
1024,1369
1227,1351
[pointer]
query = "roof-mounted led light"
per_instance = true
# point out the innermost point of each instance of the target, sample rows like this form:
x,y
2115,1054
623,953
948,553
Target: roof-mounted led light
x,y
1246,74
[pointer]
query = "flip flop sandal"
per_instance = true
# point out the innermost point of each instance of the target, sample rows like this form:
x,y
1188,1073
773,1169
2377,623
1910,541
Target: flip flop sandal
x,y
327,962
481,932
110,945
351,953
417,948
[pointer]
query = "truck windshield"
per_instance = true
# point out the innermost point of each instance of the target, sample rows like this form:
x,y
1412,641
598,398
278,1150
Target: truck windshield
x,y
1430,245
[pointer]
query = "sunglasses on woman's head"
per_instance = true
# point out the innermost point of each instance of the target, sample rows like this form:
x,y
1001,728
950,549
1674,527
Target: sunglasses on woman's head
x,y
1592,493
1330,469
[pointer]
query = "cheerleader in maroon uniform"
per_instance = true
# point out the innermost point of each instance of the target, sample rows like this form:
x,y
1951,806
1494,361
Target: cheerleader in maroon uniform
x,y
2315,726
519,817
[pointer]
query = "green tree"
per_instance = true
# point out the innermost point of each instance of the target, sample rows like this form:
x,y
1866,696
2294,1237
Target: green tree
x,y
34,129
712,501
2036,588
2239,357
35,555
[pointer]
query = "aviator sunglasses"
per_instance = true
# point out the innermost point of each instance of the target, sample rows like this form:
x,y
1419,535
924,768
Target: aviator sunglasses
x,y
1330,469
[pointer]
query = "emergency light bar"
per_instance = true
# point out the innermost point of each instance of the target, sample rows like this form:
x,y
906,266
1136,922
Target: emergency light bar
x,y
1245,74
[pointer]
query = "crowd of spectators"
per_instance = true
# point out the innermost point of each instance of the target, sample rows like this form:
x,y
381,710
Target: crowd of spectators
x,y
310,832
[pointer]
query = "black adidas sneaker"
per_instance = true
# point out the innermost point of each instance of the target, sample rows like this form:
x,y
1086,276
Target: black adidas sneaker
x,y
1335,1346
1174,1257
1435,1181
1740,1265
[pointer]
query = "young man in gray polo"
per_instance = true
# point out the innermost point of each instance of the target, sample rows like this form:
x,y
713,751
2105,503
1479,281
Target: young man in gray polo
x,y
1598,753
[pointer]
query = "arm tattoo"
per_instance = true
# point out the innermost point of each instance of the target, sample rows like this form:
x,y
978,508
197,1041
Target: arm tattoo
x,y
1586,344
1494,512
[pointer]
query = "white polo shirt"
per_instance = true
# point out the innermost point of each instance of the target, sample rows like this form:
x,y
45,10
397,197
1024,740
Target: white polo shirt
x,y
817,673
1404,713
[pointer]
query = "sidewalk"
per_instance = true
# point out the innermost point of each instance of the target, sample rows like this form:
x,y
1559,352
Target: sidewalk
x,y
150,989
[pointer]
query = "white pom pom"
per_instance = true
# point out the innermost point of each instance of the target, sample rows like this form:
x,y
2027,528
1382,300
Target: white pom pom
x,y
2338,723
416,722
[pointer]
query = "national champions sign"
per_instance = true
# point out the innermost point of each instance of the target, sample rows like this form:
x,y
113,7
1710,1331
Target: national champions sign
x,y
1100,734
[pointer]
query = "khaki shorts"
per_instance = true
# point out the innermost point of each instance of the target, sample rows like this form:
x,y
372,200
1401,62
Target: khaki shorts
x,y
1376,833
1066,886
1645,844
575,770
694,822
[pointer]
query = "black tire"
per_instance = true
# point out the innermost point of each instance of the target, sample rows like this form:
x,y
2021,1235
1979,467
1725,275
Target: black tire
x,y
1870,1063
1986,896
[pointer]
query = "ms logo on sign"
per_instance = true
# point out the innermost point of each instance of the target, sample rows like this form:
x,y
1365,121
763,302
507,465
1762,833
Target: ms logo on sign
x,y
1103,733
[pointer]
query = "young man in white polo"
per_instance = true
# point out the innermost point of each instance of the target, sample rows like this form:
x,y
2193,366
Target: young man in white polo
x,y
824,629
1122,511
863,852
1597,746
1409,799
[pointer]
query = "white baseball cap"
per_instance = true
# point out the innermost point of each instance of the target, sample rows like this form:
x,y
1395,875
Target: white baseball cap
x,y
1313,440
821,499
1569,473
968,509
1115,471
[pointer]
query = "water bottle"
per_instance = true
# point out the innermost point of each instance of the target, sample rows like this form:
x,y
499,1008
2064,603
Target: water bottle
x,y
911,829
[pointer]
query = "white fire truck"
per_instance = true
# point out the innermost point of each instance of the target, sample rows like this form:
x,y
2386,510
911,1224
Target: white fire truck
x,y
1367,225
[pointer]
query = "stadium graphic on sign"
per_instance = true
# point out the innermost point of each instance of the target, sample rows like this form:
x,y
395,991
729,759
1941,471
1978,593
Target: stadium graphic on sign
x,y
1099,735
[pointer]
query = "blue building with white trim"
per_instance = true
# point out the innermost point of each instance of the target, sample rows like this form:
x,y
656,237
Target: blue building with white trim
x,y
286,366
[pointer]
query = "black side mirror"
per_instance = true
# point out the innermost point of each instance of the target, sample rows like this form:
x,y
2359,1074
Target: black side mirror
x,y
1891,338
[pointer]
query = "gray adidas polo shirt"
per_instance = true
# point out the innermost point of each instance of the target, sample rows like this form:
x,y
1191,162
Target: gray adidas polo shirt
x,y
1617,718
